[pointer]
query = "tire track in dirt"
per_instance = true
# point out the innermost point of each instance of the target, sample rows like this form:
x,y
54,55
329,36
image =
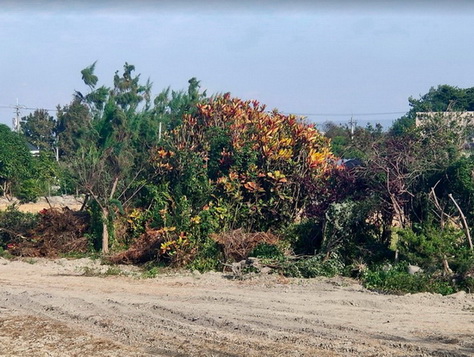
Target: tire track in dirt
x,y
207,315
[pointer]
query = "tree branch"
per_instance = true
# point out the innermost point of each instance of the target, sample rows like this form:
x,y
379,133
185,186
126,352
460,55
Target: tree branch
x,y
463,218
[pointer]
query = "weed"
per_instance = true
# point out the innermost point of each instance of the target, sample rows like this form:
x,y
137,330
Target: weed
x,y
79,255
111,271
88,271
5,254
150,273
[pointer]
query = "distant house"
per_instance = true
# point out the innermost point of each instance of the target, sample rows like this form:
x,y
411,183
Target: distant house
x,y
464,117
34,150
349,163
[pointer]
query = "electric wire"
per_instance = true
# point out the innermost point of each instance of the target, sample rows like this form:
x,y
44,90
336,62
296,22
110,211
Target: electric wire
x,y
2,106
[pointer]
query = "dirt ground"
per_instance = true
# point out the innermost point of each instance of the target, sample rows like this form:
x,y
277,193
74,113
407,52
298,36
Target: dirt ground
x,y
72,202
82,308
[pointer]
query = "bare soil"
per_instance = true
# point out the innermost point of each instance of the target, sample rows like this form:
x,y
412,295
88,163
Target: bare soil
x,y
82,308
71,202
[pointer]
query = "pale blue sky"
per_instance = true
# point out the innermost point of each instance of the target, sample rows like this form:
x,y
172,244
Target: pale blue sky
x,y
319,57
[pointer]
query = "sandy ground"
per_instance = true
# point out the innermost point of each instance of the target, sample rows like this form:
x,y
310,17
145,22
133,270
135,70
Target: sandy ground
x,y
72,202
52,308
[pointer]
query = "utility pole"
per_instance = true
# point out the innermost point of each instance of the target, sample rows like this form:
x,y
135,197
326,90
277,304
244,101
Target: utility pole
x,y
352,124
16,118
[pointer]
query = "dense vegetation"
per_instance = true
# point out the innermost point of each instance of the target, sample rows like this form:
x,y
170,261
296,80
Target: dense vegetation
x,y
192,180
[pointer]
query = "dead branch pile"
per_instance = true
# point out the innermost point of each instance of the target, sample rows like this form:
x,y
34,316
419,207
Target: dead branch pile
x,y
237,244
57,232
144,249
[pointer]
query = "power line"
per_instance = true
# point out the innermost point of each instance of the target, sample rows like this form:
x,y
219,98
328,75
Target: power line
x,y
27,108
299,114
342,114
17,113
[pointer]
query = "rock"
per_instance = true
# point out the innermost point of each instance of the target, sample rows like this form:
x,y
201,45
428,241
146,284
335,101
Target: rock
x,y
254,262
414,269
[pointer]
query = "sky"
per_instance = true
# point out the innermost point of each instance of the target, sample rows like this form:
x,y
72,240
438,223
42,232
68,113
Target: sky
x,y
327,60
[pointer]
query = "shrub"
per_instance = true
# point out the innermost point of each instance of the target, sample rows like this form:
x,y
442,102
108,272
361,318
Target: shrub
x,y
468,284
28,191
318,265
15,223
5,254
428,247
304,237
259,165
207,258
266,251
398,280
349,231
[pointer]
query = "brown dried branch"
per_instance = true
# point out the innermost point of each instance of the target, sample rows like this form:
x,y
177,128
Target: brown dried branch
x,y
237,244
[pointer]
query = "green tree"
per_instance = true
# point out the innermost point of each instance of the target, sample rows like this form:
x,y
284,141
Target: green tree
x,y
39,129
400,170
73,122
171,106
105,164
352,144
443,98
15,161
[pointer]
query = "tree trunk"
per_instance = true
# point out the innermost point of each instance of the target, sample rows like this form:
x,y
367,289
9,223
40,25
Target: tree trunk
x,y
464,222
447,269
105,231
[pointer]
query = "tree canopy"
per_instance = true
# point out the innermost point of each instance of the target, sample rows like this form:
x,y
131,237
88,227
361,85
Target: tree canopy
x,y
15,161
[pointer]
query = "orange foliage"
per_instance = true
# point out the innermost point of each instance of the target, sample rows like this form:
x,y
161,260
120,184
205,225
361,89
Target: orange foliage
x,y
278,139
265,157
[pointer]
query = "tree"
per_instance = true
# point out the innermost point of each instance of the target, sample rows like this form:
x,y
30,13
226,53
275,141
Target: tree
x,y
352,144
401,169
73,122
171,106
39,129
105,165
340,136
15,161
